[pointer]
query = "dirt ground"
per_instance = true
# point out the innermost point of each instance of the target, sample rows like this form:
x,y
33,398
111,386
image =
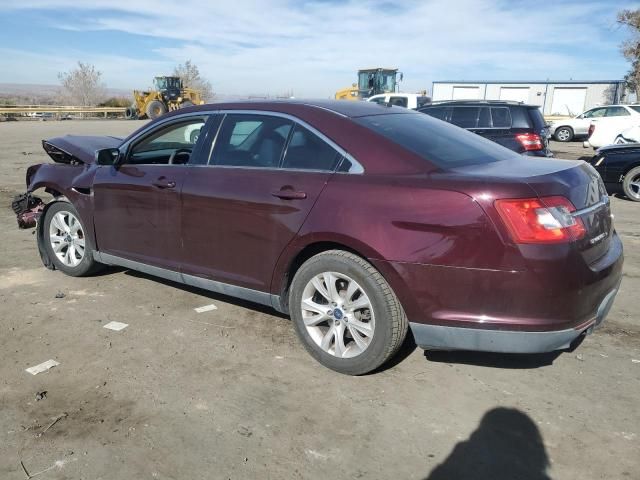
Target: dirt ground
x,y
231,394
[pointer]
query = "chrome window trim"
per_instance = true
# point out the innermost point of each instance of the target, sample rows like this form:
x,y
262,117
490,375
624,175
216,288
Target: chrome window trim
x,y
357,167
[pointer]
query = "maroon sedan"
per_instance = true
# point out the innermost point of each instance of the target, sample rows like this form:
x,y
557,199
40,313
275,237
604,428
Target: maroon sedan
x,y
359,220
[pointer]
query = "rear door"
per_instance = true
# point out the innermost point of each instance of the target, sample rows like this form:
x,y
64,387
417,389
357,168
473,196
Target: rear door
x,y
244,206
137,203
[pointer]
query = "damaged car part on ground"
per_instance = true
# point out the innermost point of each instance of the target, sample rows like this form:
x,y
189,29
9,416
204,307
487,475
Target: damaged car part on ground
x,y
360,221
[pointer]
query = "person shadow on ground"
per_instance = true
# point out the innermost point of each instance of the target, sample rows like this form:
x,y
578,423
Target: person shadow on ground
x,y
507,445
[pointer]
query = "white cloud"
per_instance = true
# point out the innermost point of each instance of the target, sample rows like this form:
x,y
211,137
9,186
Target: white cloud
x,y
315,47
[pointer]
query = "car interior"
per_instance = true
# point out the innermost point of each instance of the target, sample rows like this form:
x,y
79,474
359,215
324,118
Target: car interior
x,y
171,145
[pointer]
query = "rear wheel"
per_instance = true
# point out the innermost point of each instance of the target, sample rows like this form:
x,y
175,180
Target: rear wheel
x,y
345,313
564,134
631,184
70,250
155,109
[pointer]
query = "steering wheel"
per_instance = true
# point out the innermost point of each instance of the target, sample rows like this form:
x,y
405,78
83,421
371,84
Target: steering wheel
x,y
177,152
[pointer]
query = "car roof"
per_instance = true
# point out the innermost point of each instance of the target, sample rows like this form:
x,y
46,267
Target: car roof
x,y
344,108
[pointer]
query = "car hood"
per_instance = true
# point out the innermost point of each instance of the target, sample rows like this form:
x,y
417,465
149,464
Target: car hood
x,y
78,149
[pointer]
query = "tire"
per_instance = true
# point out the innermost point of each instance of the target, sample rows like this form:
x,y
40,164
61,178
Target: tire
x,y
631,184
380,332
563,134
130,113
56,220
193,138
155,109
186,104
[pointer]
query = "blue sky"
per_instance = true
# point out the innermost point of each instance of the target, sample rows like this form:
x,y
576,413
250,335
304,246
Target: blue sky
x,y
311,47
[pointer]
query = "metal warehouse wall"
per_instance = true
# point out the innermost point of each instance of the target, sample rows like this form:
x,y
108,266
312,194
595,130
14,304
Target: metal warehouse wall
x,y
570,98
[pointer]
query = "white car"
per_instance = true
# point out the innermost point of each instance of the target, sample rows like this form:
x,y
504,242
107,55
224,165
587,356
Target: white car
x,y
406,100
567,129
604,129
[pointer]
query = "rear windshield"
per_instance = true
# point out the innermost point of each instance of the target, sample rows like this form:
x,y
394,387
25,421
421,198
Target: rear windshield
x,y
634,107
444,145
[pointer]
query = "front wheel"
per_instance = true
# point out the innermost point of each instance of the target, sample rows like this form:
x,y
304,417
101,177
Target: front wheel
x,y
345,313
631,184
65,242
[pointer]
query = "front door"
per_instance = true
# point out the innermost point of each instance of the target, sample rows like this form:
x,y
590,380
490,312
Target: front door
x,y
242,209
137,202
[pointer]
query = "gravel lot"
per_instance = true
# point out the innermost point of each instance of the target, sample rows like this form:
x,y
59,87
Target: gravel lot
x,y
230,393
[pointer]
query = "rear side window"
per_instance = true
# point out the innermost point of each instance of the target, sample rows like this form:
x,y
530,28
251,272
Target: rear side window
x,y
617,112
520,118
501,117
440,143
251,141
484,118
306,151
465,117
398,101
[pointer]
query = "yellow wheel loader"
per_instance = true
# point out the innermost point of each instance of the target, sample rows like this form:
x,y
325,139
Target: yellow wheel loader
x,y
168,94
371,81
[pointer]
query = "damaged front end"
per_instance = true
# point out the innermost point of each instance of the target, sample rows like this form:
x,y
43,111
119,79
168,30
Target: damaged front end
x,y
28,209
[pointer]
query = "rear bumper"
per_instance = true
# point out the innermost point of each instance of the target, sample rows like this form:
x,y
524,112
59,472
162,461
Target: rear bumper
x,y
439,337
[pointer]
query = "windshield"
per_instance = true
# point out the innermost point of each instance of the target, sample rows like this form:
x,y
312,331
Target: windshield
x,y
378,82
165,83
441,143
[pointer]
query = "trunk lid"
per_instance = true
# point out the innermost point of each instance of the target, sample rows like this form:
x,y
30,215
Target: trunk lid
x,y
573,179
78,149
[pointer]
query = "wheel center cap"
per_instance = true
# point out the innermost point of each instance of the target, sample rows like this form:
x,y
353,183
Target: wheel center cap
x,y
337,314
68,238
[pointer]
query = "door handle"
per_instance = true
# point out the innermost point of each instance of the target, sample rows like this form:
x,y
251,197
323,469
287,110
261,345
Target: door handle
x,y
163,183
287,194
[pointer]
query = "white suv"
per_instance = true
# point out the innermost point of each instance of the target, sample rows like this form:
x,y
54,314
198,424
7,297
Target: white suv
x,y
567,129
406,100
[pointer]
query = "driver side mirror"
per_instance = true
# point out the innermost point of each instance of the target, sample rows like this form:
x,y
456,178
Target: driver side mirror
x,y
108,156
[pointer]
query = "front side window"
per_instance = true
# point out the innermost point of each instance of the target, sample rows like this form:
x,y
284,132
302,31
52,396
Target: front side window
x,y
174,142
307,151
441,113
251,141
617,112
596,112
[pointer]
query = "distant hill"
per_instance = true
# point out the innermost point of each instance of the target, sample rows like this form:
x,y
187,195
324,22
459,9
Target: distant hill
x,y
36,90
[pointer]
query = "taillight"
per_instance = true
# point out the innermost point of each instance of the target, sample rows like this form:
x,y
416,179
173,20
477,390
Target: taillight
x,y
530,141
592,128
541,220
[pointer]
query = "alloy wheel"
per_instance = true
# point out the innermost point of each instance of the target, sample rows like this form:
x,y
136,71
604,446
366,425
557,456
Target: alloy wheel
x,y
634,187
563,135
67,238
338,314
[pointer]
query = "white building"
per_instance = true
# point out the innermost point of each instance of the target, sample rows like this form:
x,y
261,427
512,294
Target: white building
x,y
554,98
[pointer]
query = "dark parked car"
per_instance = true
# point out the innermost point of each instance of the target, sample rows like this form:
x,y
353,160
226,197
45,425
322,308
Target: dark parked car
x,y
514,125
619,167
359,220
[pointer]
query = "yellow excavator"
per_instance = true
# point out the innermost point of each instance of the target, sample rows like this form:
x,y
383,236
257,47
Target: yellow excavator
x,y
371,81
168,94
